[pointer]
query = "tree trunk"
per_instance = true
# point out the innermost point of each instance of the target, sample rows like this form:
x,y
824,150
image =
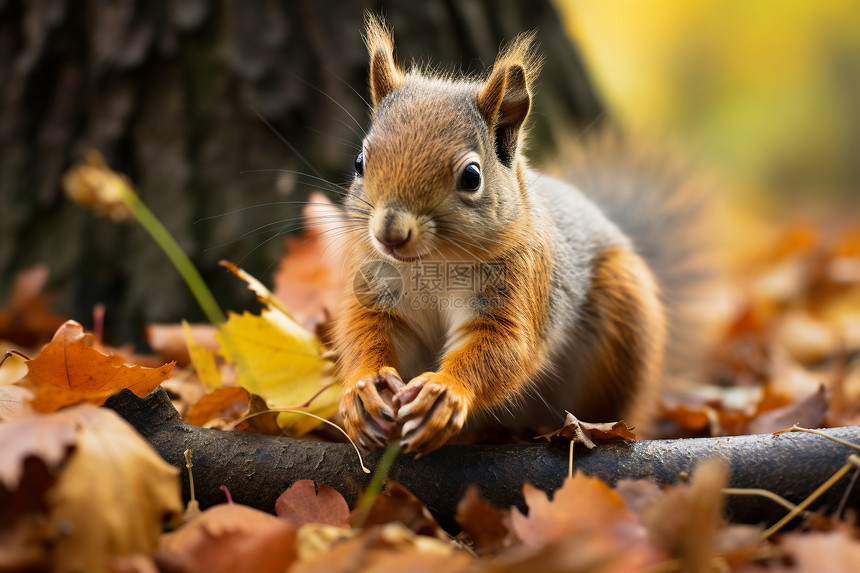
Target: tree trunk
x,y
169,92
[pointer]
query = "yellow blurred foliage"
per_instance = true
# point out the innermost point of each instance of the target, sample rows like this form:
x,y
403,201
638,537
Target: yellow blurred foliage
x,y
767,92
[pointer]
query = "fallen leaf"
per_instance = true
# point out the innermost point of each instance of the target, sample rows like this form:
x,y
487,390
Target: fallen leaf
x,y
69,371
483,522
638,494
27,319
170,341
114,495
808,413
50,439
203,359
302,503
310,277
15,403
229,538
584,509
387,548
228,403
686,520
280,361
315,539
83,486
396,504
586,432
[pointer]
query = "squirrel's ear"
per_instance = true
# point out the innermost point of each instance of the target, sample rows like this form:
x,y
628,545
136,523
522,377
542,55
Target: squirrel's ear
x,y
505,98
385,76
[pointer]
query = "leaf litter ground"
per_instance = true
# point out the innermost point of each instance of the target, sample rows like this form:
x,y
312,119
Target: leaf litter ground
x,y
82,492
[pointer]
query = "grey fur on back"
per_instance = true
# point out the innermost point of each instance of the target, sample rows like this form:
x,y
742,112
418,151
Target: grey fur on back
x,y
659,202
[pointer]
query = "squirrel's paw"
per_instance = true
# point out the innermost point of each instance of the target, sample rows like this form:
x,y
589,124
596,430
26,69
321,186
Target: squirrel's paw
x,y
368,417
431,411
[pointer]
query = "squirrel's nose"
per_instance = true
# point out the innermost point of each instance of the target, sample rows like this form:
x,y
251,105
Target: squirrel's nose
x,y
393,238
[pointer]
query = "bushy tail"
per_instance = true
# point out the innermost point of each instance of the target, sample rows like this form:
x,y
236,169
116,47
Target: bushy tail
x,y
660,202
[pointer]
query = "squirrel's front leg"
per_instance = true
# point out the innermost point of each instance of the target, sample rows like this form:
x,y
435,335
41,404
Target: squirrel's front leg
x,y
366,363
494,362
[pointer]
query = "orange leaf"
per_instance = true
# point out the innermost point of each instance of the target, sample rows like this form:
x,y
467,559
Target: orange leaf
x,y
228,538
69,371
310,278
301,503
482,521
212,405
396,503
27,318
582,505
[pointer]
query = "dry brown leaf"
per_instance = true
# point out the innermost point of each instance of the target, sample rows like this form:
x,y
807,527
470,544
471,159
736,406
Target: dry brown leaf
x,y
27,319
33,451
50,439
587,510
387,548
638,494
836,551
15,403
686,520
229,538
69,371
114,495
303,503
228,403
808,413
586,432
310,278
483,522
396,504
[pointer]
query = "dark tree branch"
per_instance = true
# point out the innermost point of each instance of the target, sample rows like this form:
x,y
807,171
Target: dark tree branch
x,y
257,468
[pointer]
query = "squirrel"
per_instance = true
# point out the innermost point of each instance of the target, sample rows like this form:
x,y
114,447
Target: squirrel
x,y
480,286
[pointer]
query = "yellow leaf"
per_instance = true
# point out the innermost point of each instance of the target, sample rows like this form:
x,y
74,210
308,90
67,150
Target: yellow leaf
x,y
113,495
203,360
279,360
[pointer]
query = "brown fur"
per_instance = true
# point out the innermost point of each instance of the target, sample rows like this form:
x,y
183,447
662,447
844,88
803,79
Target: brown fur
x,y
626,335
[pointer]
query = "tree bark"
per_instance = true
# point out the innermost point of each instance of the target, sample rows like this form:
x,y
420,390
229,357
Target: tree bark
x,y
258,468
169,92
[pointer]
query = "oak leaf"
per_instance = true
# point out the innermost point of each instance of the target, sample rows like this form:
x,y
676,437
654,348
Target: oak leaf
x,y
69,371
586,432
304,503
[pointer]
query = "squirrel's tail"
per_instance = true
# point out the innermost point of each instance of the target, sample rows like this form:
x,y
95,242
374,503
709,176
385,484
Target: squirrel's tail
x,y
661,203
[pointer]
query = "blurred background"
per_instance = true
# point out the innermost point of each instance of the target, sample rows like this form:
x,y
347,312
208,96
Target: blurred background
x,y
177,94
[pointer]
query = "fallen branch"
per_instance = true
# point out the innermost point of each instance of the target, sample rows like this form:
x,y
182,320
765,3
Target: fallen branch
x,y
257,468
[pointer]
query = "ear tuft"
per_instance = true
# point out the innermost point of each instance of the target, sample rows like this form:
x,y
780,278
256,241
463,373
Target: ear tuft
x,y
505,98
385,76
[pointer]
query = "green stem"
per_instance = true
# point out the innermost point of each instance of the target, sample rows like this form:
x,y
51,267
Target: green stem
x,y
359,516
177,256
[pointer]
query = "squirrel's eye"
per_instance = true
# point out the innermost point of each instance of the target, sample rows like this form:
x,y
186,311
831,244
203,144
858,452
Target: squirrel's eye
x,y
359,164
470,180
